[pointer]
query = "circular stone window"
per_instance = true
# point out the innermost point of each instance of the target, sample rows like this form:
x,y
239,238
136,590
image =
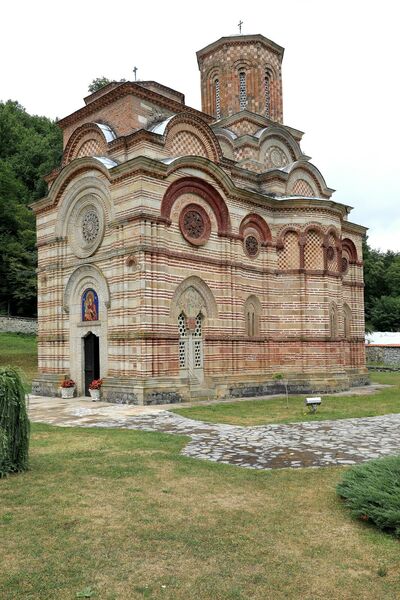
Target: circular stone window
x,y
195,224
330,253
86,226
251,246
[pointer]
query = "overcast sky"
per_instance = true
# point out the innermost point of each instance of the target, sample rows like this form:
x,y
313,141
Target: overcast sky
x,y
340,74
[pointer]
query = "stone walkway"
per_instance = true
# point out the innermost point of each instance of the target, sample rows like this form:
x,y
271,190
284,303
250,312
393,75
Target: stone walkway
x,y
308,444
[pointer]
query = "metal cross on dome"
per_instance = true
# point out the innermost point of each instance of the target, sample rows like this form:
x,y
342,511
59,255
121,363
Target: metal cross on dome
x,y
240,26
134,71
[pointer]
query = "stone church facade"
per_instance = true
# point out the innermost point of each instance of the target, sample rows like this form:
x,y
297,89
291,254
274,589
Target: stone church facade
x,y
192,254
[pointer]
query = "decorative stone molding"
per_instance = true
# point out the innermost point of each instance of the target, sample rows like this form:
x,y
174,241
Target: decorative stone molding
x,y
191,297
195,224
86,226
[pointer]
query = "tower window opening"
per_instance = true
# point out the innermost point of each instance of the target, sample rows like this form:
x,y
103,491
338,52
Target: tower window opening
x,y
267,82
217,100
242,90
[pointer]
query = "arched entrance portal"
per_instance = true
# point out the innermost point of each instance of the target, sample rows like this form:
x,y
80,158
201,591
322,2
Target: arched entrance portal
x,y
91,360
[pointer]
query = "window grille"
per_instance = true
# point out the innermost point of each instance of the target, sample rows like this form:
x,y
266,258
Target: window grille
x,y
242,90
217,99
182,341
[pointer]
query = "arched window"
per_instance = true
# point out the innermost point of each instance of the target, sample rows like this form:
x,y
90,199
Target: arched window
x,y
333,320
182,341
217,99
252,310
267,84
242,90
347,318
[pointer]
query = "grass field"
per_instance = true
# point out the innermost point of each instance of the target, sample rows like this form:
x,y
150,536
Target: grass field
x,y
122,515
274,410
19,351
114,514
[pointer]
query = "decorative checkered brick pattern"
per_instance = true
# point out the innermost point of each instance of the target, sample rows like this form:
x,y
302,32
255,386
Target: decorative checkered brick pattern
x,y
313,253
302,188
185,143
251,55
332,260
90,148
289,257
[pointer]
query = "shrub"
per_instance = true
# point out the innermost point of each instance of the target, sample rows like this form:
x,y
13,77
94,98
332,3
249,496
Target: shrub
x,y
14,423
372,492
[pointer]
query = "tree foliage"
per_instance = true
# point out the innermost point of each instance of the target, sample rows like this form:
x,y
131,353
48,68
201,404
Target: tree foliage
x,y
382,289
30,147
98,83
14,423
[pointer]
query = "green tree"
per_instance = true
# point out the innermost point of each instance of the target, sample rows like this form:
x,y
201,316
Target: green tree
x,y
98,83
385,314
30,147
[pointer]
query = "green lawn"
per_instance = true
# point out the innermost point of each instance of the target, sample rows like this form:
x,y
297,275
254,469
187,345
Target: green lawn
x,y
274,410
19,350
123,515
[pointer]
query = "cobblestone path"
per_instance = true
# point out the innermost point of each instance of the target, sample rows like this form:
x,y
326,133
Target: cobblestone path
x,y
308,444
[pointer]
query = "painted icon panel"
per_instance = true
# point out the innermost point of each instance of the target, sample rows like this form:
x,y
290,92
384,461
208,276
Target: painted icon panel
x,y
90,305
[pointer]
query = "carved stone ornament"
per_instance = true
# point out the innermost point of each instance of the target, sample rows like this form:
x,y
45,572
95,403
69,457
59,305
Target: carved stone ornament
x,y
251,246
345,264
86,226
195,224
275,157
191,303
330,253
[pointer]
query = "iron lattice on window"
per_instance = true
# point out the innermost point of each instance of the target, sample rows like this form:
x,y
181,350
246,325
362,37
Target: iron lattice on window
x,y
217,100
242,90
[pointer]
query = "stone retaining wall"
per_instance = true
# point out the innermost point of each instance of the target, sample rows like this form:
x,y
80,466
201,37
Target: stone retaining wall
x,y
385,355
18,325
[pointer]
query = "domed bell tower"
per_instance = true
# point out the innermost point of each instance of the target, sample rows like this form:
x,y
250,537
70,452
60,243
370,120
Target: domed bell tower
x,y
241,72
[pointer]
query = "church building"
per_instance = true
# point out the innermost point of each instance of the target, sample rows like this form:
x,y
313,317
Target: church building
x,y
196,254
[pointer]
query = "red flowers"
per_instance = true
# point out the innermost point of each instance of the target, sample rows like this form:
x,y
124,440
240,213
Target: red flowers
x,y
96,384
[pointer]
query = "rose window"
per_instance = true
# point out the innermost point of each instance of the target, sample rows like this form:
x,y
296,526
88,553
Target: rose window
x,y
193,223
251,245
330,253
90,226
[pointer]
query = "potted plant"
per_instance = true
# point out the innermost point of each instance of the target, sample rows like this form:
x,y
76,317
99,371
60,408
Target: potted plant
x,y
94,389
67,388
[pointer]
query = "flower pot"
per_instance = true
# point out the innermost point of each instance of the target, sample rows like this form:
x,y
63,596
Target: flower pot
x,y
95,394
67,392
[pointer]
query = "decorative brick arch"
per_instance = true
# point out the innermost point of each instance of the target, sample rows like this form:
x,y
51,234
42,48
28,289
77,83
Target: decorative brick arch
x,y
87,140
256,222
252,313
290,253
198,187
349,247
86,275
332,250
186,134
205,299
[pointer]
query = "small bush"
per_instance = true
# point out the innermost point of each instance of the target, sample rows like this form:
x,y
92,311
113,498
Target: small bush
x,y
372,492
14,423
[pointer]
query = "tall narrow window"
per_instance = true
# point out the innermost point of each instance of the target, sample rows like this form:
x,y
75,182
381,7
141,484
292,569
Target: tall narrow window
x,y
182,341
242,90
267,82
217,100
